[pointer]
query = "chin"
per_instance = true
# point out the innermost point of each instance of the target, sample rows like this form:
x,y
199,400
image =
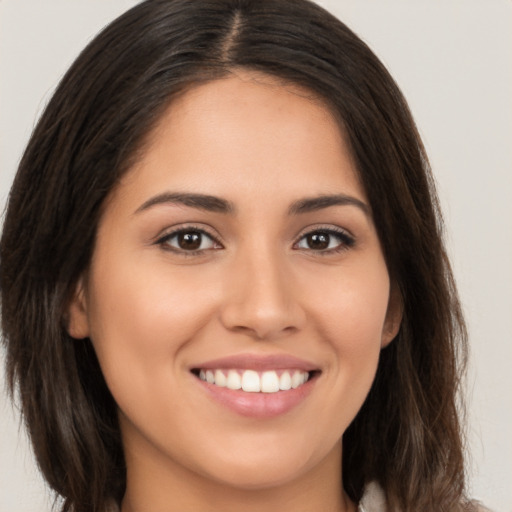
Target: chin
x,y
274,465
260,476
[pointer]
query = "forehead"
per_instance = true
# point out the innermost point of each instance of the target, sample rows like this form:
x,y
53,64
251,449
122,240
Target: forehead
x,y
243,132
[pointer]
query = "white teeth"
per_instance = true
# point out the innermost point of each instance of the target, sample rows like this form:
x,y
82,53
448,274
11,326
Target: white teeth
x,y
269,382
296,379
253,382
234,380
220,379
285,381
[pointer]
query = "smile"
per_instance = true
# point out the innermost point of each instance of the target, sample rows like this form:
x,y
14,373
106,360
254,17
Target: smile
x,y
258,386
252,381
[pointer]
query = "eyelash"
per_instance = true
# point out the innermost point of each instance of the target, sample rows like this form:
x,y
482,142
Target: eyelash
x,y
346,240
164,240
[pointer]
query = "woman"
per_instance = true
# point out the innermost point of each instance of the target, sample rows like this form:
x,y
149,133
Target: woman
x,y
232,290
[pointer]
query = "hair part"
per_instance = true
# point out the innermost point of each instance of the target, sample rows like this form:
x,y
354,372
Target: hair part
x,y
407,436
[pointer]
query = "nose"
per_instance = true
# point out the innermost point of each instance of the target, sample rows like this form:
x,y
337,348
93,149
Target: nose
x,y
261,298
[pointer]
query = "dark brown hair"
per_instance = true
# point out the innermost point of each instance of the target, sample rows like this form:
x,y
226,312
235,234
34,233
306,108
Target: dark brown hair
x,y
407,435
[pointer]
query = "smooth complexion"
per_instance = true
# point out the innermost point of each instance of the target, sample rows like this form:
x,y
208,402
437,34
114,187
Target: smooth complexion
x,y
252,269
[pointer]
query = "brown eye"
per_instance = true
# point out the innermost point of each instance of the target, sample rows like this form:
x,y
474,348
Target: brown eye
x,y
188,240
318,241
326,241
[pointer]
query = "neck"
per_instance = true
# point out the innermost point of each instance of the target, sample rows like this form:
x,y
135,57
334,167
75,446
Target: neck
x,y
157,485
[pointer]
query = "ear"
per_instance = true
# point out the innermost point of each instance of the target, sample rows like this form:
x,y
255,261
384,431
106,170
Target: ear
x,y
394,316
77,319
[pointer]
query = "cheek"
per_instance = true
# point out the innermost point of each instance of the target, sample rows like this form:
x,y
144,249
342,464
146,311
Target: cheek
x,y
351,305
153,301
350,314
140,318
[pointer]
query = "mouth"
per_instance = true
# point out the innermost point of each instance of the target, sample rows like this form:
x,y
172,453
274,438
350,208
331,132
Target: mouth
x,y
254,381
257,386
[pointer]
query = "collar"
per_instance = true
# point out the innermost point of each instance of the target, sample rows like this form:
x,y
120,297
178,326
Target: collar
x,y
373,500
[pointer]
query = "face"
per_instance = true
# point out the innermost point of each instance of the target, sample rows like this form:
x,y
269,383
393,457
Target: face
x,y
239,251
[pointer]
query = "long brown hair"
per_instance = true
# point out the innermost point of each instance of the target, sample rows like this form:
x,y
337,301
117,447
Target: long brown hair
x,y
407,436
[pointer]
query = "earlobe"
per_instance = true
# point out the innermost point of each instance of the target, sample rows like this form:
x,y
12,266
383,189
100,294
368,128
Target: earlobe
x,y
77,320
394,316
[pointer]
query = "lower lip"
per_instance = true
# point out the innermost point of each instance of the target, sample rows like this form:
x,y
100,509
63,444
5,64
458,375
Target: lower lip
x,y
258,405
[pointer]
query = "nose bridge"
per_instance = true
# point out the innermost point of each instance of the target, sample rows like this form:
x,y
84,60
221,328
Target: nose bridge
x,y
260,299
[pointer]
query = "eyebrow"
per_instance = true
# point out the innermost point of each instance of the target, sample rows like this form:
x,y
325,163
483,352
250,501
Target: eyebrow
x,y
216,204
200,201
312,204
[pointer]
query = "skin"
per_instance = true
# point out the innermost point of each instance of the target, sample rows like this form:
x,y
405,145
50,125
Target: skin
x,y
151,310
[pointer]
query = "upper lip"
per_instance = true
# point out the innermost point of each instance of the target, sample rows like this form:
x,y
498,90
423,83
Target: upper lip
x,y
258,362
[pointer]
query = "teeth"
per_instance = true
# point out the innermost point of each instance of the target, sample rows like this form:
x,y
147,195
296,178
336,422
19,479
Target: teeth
x,y
296,379
234,380
251,381
269,382
285,382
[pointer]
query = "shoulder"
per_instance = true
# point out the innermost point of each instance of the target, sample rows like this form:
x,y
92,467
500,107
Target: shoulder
x,y
373,500
480,508
112,507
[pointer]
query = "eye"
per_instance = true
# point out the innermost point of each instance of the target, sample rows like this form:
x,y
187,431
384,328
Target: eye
x,y
189,240
325,240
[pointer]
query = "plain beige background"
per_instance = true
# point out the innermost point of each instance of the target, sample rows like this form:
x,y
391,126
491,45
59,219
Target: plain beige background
x,y
452,59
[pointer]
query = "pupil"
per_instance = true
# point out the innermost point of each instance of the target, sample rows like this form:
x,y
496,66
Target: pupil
x,y
190,240
318,241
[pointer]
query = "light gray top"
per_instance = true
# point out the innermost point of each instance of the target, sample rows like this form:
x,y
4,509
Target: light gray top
x,y
373,499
